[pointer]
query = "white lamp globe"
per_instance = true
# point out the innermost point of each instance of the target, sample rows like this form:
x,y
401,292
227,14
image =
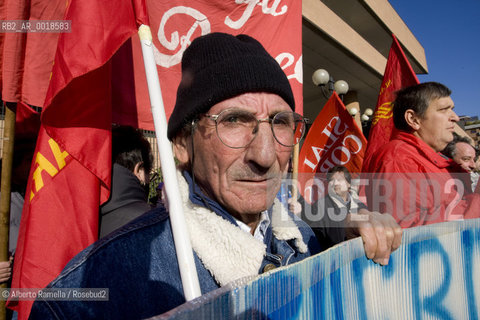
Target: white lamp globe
x,y
320,77
341,87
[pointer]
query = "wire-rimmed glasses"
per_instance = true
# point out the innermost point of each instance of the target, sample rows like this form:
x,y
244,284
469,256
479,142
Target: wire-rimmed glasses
x,y
236,128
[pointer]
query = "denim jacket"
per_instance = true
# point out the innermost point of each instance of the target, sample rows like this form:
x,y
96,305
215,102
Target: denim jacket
x,y
138,264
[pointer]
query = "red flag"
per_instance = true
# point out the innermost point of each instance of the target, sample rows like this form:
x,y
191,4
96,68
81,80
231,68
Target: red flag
x,y
398,74
27,120
70,173
334,139
175,23
27,57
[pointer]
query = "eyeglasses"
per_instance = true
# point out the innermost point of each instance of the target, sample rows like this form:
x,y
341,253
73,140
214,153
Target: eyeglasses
x,y
237,128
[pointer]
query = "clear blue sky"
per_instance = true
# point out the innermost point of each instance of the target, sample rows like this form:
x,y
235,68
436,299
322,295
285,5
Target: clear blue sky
x,y
449,31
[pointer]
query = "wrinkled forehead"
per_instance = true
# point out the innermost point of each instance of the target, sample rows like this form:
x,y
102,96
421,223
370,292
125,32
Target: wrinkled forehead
x,y
437,103
465,149
254,102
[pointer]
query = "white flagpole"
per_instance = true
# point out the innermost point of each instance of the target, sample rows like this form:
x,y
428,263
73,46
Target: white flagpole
x,y
188,272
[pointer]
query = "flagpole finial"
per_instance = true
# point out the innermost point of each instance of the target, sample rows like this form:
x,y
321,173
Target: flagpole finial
x,y
145,34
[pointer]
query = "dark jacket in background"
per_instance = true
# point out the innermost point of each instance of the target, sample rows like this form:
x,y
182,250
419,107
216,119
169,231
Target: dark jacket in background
x,y
128,200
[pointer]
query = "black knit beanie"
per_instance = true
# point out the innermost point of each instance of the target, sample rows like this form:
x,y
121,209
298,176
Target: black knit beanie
x,y
219,66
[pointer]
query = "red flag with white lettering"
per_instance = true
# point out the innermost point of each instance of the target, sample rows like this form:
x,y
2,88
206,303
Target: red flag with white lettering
x,y
175,23
398,74
334,139
70,173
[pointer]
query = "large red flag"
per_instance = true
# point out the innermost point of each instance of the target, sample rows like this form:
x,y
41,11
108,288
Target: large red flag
x,y
70,173
334,139
398,74
28,57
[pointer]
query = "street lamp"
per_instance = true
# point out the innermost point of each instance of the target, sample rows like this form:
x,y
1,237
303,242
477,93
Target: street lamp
x,y
366,121
353,111
367,114
322,79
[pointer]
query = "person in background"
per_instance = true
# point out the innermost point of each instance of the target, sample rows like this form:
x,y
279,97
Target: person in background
x,y
131,165
476,172
411,179
5,270
329,216
461,151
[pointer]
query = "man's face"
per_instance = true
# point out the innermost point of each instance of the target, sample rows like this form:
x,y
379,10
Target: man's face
x,y
465,156
339,184
437,125
245,180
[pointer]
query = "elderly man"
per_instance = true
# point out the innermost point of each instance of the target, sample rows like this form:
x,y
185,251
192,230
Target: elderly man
x,y
233,129
412,180
463,153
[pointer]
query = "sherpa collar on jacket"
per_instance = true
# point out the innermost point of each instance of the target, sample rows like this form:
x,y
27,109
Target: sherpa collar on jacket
x,y
228,252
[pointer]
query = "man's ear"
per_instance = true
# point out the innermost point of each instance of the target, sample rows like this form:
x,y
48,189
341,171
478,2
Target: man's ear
x,y
139,172
181,147
137,168
412,119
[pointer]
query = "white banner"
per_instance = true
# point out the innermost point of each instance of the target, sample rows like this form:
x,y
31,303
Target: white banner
x,y
434,275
